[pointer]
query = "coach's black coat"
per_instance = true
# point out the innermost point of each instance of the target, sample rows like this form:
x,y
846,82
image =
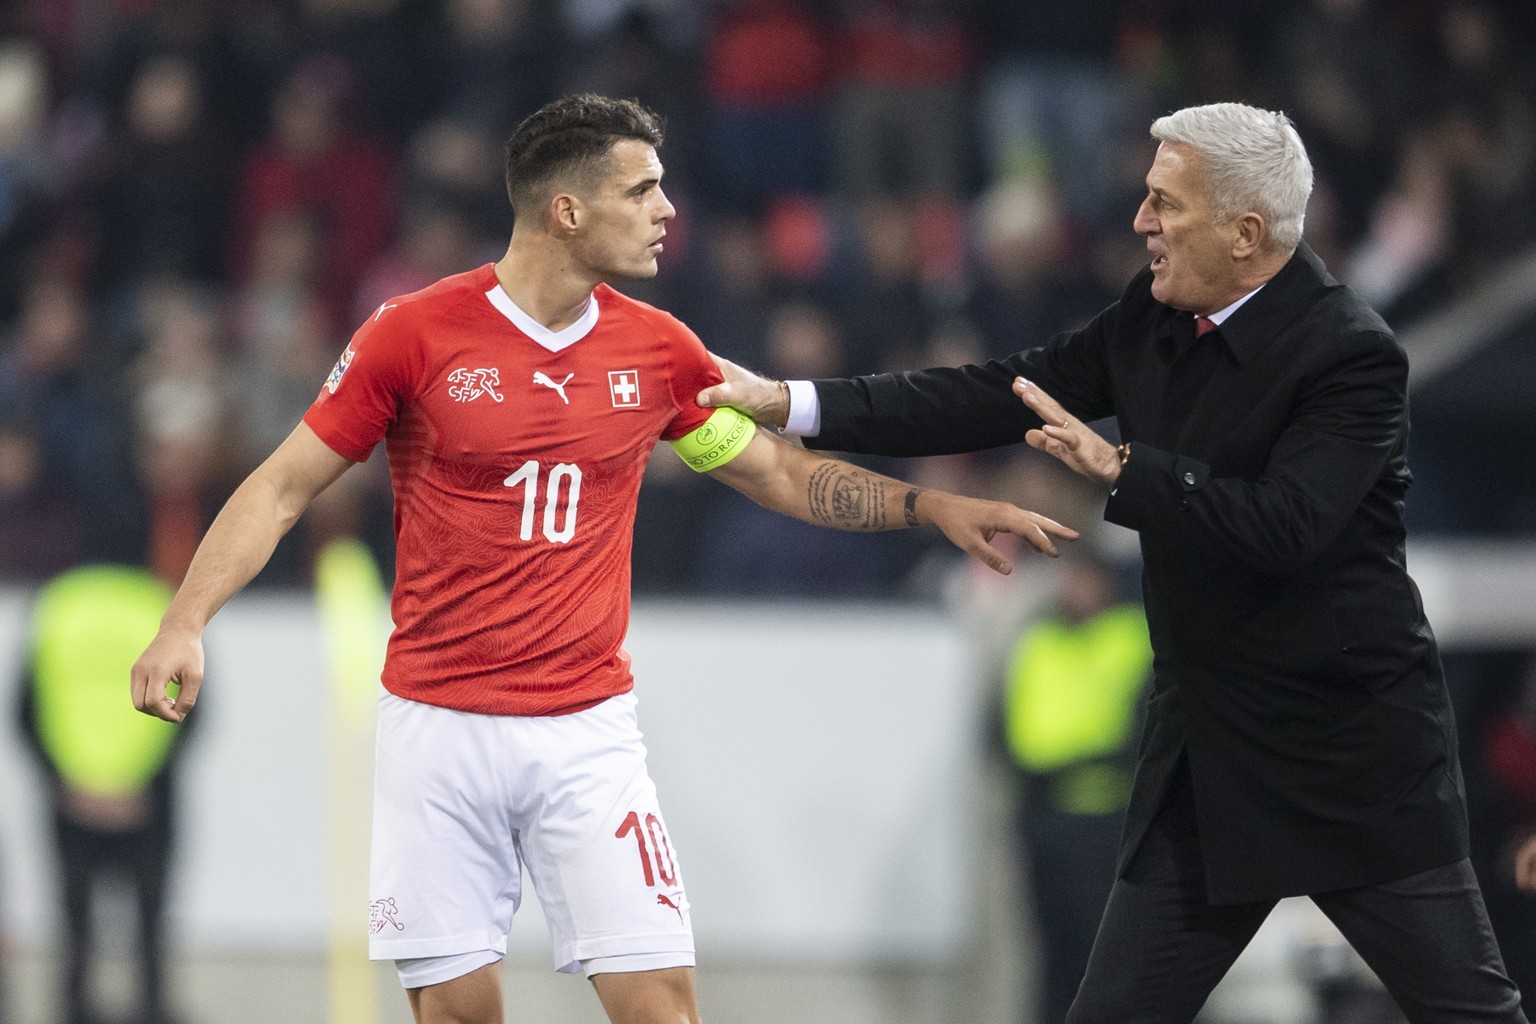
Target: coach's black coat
x,y
1266,480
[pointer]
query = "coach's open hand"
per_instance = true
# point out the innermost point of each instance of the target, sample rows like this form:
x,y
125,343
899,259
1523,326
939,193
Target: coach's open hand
x,y
1069,439
766,401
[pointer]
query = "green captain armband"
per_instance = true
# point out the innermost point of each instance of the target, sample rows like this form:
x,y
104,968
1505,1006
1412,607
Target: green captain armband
x,y
723,436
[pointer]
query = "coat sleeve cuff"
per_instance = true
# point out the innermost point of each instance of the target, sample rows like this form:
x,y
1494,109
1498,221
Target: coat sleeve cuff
x,y
1153,485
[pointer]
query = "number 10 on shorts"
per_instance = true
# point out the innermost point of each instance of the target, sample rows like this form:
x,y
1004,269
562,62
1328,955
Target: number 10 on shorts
x,y
655,849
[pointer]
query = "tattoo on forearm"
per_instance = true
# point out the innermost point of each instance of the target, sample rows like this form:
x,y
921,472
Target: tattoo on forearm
x,y
846,498
909,507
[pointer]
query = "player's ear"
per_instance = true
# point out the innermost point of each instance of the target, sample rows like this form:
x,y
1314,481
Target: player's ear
x,y
566,211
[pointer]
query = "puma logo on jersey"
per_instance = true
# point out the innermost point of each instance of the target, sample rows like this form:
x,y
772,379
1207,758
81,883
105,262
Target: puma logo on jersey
x,y
540,377
663,900
469,385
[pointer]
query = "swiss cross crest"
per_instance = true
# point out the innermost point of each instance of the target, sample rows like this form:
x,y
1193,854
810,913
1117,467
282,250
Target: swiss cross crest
x,y
384,914
469,385
624,388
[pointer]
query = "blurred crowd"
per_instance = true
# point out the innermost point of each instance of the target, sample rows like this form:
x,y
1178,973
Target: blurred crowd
x,y
201,199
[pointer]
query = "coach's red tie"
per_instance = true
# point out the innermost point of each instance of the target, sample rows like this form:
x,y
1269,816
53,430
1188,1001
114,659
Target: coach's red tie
x,y
1203,326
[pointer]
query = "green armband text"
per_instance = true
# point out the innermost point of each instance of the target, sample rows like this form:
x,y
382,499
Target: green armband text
x,y
723,436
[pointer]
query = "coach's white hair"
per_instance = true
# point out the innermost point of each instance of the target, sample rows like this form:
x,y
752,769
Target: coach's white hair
x,y
1255,160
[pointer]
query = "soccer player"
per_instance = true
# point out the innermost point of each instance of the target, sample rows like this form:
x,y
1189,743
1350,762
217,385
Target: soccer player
x,y
518,404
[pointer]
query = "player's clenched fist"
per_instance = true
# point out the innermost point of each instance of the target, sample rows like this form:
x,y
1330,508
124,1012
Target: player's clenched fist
x,y
172,659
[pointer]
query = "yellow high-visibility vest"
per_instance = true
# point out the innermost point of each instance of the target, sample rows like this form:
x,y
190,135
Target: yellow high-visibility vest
x,y
1072,690
88,626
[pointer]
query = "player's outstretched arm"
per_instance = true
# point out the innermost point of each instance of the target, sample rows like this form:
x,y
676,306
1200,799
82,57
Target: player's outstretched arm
x,y
830,492
237,545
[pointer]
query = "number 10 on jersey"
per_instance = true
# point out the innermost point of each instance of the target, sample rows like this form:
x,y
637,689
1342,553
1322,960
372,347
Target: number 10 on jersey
x,y
562,487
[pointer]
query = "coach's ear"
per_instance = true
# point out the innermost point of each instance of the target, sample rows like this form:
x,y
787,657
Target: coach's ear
x,y
1251,235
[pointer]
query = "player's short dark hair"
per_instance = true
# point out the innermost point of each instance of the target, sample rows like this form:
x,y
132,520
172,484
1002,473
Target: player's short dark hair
x,y
566,143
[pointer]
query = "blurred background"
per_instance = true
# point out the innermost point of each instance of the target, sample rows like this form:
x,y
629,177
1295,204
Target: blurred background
x,y
201,199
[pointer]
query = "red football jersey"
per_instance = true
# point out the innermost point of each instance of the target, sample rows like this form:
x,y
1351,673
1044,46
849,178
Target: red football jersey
x,y
516,455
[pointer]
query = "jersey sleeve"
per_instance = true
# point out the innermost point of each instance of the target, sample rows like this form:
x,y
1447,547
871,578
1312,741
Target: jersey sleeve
x,y
692,371
362,396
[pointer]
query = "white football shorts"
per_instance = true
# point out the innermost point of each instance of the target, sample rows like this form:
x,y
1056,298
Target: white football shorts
x,y
464,802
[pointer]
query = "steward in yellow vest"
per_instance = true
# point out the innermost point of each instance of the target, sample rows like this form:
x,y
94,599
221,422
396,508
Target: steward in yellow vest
x,y
111,784
1071,711
1072,703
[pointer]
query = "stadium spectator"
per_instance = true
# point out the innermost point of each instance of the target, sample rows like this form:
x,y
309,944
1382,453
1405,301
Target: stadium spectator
x,y
434,240
768,79
379,43
57,373
315,164
286,339
1028,275
182,419
882,298
738,288
1347,75
511,591
451,162
898,117
1054,97
1484,117
24,171
161,192
281,330
42,522
492,59
1398,264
